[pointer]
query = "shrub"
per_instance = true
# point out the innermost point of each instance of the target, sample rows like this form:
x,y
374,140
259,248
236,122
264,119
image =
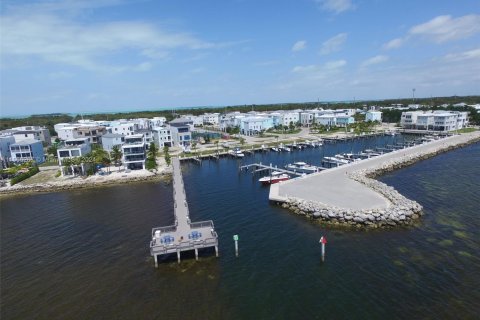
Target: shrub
x,y
32,171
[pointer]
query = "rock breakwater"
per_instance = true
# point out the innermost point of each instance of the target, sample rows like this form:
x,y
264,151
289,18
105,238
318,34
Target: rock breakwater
x,y
400,210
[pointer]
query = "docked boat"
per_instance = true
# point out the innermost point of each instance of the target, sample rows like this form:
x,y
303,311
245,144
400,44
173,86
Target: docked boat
x,y
236,152
275,149
351,157
275,177
335,160
283,147
301,167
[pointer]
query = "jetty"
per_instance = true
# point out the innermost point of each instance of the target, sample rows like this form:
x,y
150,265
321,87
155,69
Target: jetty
x,y
347,194
183,235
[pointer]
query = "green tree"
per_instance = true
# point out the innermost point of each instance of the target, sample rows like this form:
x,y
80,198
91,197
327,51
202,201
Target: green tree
x,y
151,162
166,154
116,155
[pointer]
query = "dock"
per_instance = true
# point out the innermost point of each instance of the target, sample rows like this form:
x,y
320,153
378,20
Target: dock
x,y
258,167
184,235
335,188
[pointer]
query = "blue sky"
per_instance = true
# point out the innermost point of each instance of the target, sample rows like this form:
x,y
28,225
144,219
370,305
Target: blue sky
x,y
114,55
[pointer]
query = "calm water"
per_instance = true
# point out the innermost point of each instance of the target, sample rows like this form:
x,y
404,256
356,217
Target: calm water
x,y
84,254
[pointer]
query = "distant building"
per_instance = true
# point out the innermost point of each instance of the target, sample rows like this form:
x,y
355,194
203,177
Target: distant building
x,y
328,120
254,125
343,121
32,133
436,121
27,150
134,152
158,121
211,119
373,116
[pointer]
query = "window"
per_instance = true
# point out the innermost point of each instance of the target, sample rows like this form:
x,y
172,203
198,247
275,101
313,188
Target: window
x,y
64,154
75,153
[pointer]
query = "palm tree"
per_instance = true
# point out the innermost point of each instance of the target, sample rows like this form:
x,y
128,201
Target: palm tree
x,y
116,155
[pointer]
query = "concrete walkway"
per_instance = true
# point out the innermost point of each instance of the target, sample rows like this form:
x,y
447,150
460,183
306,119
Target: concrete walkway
x,y
333,187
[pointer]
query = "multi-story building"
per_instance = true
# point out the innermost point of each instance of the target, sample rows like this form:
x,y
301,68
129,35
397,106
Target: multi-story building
x,y
196,120
343,121
328,120
162,136
5,154
123,127
27,150
134,152
438,120
373,116
254,125
73,148
180,130
109,140
32,133
211,119
158,122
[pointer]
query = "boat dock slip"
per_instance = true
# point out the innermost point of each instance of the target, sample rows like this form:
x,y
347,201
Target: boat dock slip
x,y
184,235
335,188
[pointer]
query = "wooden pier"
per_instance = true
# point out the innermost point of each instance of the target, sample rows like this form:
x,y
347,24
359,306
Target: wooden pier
x,y
259,167
184,235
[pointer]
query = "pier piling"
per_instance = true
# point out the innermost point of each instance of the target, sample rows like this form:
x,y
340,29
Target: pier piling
x,y
323,241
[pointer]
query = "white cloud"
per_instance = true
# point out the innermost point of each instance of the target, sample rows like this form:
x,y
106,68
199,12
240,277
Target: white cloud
x,y
440,29
394,44
374,60
44,32
333,44
466,55
316,72
336,6
299,46
443,28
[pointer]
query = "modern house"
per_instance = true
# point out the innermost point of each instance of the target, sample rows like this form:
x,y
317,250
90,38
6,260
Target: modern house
x,y
32,133
373,116
254,125
73,148
180,130
343,121
437,121
134,152
110,140
27,150
211,119
5,154
162,137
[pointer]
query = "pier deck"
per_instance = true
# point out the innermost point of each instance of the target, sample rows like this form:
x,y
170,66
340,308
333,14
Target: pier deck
x,y
333,187
184,235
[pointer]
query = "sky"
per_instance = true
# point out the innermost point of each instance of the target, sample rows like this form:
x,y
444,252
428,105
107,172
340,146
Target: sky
x,y
77,56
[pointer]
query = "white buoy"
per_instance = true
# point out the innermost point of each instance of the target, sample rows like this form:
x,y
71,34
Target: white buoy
x,y
235,238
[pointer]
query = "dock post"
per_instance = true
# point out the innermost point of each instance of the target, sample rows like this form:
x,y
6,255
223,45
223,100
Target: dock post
x,y
196,254
216,251
235,238
323,241
155,258
178,256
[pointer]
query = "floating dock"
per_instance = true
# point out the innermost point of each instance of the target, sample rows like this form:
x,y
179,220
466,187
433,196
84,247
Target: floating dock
x,y
184,235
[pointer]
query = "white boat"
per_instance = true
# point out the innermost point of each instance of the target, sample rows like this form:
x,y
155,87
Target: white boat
x,y
283,147
236,152
275,177
301,167
275,149
335,160
348,156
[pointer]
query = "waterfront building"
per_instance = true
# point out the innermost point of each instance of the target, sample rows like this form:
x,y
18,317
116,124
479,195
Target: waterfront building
x,y
109,140
134,152
82,129
73,148
123,127
373,116
162,137
254,125
180,130
5,154
307,118
27,150
147,135
343,121
438,120
32,133
328,120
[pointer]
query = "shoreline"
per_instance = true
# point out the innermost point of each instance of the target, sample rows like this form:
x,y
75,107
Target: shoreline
x,y
67,185
400,211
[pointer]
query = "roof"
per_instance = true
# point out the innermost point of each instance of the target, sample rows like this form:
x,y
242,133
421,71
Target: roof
x,y
112,135
180,121
25,142
26,131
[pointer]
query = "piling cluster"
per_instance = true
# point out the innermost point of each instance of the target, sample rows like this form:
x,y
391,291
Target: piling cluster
x,y
400,211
